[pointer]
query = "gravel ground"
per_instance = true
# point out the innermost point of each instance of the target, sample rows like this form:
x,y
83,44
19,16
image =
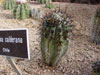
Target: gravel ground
x,y
80,55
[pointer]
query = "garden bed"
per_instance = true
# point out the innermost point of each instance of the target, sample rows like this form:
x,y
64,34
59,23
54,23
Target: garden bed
x,y
81,53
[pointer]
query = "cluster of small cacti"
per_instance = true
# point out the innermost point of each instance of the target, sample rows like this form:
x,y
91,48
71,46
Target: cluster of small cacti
x,y
96,28
44,1
96,67
22,11
36,13
9,4
49,5
54,37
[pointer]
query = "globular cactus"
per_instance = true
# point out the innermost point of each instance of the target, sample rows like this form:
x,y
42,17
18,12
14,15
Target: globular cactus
x,y
54,37
21,11
36,13
44,1
9,4
96,67
96,28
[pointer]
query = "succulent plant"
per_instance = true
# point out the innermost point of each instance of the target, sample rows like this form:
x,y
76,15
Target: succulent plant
x,y
36,13
96,28
21,11
49,5
9,4
96,67
44,1
54,37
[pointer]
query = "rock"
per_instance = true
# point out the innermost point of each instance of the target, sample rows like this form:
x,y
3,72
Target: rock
x,y
77,25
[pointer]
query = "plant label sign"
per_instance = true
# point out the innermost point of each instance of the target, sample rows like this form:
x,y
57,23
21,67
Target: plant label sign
x,y
14,42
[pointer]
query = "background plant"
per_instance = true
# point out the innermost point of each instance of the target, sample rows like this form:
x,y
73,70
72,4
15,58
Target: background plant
x,y
44,1
96,27
22,10
49,5
9,4
36,13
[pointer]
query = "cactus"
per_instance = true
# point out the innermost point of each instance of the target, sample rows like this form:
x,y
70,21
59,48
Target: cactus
x,y
96,67
36,13
49,5
96,28
44,1
9,4
54,37
21,11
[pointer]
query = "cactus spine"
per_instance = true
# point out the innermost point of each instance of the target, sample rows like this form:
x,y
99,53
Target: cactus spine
x,y
21,11
54,37
9,4
44,1
96,30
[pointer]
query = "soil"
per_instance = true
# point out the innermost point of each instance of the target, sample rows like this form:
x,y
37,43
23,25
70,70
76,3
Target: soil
x,y
80,55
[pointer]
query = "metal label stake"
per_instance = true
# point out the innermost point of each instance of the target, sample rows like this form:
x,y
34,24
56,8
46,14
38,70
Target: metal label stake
x,y
12,63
